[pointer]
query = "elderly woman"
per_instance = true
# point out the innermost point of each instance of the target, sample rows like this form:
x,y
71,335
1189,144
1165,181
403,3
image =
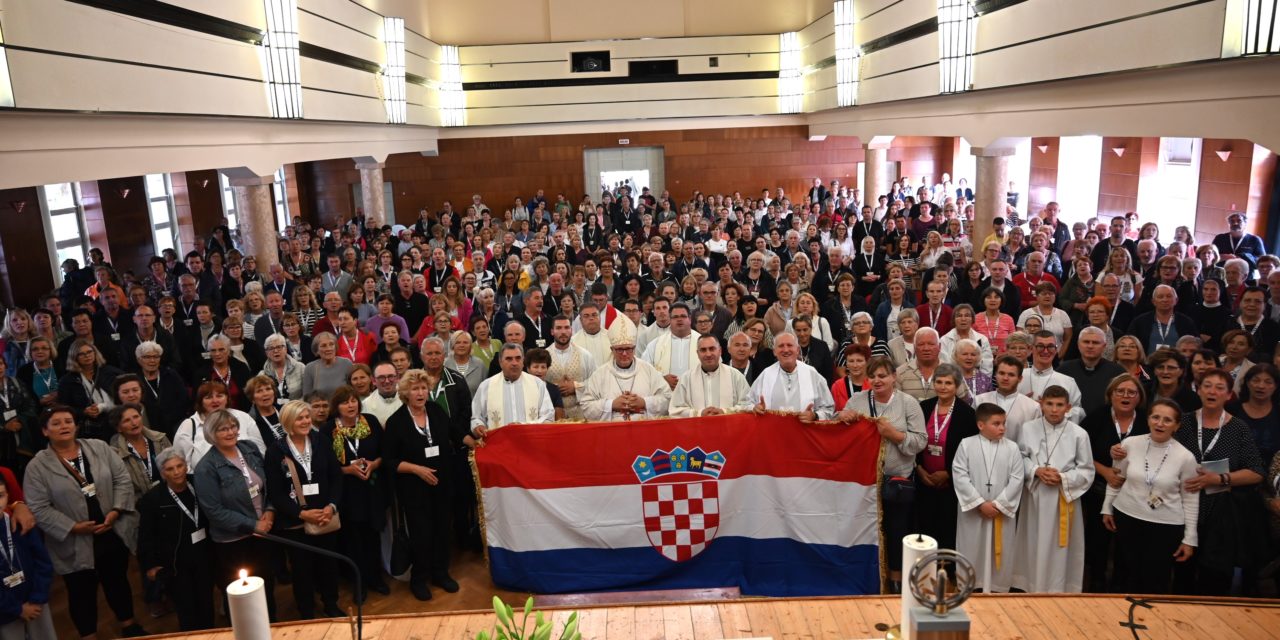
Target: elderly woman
x,y
40,375
296,341
1052,319
902,349
901,424
962,318
86,387
137,446
328,371
211,397
418,448
807,305
1154,515
466,365
284,371
82,498
1230,527
356,439
948,421
841,305
164,392
233,494
232,373
1126,417
245,351
173,545
967,355
304,485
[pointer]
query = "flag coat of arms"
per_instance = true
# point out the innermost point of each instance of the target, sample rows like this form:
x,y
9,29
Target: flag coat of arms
x,y
764,503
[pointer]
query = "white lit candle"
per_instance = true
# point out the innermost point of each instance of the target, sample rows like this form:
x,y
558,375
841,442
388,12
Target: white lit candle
x,y
914,547
247,601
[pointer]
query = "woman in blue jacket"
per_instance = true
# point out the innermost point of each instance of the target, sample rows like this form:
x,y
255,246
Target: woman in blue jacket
x,y
24,593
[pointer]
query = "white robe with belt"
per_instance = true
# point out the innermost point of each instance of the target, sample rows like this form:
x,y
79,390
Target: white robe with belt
x,y
977,462
1042,564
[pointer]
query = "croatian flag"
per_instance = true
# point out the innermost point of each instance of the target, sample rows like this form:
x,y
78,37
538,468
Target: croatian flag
x,y
764,503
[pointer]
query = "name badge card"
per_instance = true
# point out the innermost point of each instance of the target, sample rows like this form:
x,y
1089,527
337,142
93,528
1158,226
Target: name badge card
x,y
312,489
14,579
89,490
198,536
10,415
253,491
431,452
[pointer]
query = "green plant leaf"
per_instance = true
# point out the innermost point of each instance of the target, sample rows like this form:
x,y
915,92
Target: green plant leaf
x,y
483,635
528,606
502,610
570,627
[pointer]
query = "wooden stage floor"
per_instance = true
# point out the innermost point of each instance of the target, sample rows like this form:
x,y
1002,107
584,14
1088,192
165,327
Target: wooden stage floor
x,y
1031,617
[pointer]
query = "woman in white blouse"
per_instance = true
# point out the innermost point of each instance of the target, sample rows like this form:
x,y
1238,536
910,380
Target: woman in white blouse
x,y
1153,514
1052,318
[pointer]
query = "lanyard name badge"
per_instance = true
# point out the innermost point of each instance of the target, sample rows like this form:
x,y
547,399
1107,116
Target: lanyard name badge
x,y
15,576
199,534
9,414
243,465
148,462
86,487
304,460
432,449
934,446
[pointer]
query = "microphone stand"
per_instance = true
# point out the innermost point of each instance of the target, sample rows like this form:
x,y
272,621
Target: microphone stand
x,y
328,554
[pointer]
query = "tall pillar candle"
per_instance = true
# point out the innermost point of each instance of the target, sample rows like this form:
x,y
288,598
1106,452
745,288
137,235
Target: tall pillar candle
x,y
914,547
247,602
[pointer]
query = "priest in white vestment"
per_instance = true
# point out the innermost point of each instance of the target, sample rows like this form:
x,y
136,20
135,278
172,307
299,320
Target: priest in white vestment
x,y
592,337
1018,408
791,385
661,324
570,366
674,352
987,475
625,387
712,388
510,397
1058,468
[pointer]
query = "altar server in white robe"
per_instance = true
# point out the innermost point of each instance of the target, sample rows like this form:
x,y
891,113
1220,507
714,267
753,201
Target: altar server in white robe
x,y
675,352
570,365
987,475
1019,409
627,387
1058,468
1041,375
791,385
712,388
511,396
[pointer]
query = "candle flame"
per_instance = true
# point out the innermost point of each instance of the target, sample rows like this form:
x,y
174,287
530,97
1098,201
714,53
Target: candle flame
x,y
244,577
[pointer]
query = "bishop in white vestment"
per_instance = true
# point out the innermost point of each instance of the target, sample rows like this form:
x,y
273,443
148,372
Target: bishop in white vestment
x,y
710,388
986,470
1050,546
625,387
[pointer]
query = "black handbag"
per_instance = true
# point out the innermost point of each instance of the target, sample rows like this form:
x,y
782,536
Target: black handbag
x,y
898,490
401,559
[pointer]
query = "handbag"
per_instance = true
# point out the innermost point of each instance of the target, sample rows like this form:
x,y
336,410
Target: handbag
x,y
898,490
401,560
309,528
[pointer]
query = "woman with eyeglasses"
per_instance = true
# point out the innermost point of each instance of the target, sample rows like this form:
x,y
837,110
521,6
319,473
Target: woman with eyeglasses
x,y
1107,427
211,397
232,491
284,371
41,375
86,387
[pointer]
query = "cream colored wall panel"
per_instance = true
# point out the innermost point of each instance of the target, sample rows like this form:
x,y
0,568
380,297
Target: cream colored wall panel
x,y
323,33
820,100
664,47
628,92
414,12
489,21
1039,18
317,74
346,13
321,105
916,83
42,81
574,19
250,13
820,79
893,18
1174,37
418,94
818,29
864,8
912,53
627,111
420,48
74,28
713,17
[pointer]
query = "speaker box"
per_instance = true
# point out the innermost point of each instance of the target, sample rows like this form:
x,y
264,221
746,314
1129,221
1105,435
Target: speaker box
x,y
650,68
589,61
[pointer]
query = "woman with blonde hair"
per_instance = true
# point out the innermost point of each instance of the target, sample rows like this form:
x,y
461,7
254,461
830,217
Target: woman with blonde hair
x,y
781,311
1131,355
1120,263
17,334
807,305
933,249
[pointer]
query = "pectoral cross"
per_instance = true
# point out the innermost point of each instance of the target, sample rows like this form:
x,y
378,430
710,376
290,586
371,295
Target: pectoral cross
x,y
988,486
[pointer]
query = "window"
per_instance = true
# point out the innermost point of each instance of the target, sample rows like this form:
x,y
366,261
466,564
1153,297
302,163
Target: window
x,y
280,59
790,78
957,35
1261,23
1176,187
229,202
6,87
164,227
393,74
282,200
64,220
847,56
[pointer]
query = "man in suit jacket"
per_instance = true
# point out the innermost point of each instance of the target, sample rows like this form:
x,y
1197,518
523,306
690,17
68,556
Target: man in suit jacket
x,y
818,193
279,284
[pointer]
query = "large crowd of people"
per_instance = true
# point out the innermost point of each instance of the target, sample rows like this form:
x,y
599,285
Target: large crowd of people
x,y
1112,392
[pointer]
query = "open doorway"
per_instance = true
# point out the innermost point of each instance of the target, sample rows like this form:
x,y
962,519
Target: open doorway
x,y
634,179
635,167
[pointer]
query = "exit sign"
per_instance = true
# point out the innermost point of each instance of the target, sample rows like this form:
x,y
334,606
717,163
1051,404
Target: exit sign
x,y
624,140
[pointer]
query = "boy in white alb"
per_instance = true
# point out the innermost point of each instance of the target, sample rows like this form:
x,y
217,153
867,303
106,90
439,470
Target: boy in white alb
x,y
1058,469
987,475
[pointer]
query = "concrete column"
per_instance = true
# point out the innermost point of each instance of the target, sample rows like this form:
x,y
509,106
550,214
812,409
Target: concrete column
x,y
256,217
374,202
991,182
876,163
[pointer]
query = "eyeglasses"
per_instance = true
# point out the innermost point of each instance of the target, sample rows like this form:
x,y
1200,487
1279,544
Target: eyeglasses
x,y
1046,347
225,428
1126,393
